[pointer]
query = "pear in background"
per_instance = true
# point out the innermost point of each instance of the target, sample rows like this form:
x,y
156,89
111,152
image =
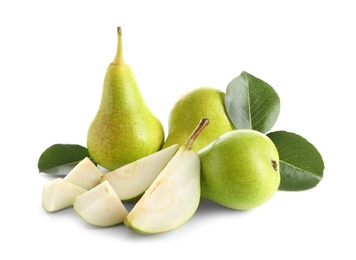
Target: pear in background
x,y
207,102
240,169
174,196
124,129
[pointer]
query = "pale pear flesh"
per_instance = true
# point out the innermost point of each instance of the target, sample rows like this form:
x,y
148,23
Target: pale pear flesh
x,y
59,194
131,180
100,206
85,174
173,197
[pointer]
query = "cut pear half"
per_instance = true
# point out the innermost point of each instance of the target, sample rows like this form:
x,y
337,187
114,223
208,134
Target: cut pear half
x,y
85,174
59,194
100,206
174,196
131,180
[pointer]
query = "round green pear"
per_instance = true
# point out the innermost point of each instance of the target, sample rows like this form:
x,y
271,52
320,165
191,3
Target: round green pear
x,y
186,113
240,169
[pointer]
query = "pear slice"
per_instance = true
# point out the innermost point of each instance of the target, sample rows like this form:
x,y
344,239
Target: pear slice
x,y
174,196
85,174
131,180
59,194
100,206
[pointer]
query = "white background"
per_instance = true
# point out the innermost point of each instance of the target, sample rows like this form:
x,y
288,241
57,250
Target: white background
x,y
53,58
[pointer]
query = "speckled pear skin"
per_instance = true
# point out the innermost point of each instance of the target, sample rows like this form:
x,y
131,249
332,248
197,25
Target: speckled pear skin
x,y
190,108
240,169
124,128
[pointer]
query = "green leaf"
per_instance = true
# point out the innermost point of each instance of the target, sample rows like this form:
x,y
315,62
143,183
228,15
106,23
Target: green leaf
x,y
60,157
251,103
301,164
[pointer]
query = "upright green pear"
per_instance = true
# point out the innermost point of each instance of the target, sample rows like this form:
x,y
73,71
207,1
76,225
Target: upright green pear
x,y
124,128
190,108
240,169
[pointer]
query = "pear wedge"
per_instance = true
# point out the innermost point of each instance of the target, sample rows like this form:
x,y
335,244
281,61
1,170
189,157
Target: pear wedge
x,y
131,180
85,174
174,196
59,194
100,206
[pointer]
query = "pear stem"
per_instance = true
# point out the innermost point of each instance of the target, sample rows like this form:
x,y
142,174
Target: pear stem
x,y
119,59
202,124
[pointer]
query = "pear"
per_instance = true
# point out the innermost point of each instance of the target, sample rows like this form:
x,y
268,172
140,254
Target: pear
x,y
85,174
131,180
100,206
207,102
174,196
59,194
240,169
124,128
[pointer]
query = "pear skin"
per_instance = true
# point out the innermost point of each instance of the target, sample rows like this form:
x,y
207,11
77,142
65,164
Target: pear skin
x,y
124,128
207,102
240,169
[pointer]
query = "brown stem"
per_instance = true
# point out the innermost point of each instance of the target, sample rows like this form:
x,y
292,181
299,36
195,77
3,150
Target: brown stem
x,y
202,124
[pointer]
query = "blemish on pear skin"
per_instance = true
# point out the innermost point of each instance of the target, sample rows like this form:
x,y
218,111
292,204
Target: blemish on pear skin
x,y
275,165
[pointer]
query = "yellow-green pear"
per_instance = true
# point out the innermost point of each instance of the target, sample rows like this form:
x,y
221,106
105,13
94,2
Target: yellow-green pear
x,y
240,169
124,128
190,108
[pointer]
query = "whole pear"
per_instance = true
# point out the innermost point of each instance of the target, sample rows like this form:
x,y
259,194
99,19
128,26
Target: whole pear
x,y
240,169
189,109
124,128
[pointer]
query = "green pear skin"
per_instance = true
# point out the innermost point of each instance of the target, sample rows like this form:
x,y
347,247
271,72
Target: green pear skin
x,y
124,128
189,109
240,169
